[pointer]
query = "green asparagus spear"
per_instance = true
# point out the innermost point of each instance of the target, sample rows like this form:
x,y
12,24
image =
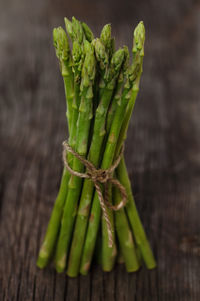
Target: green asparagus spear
x,y
94,157
106,163
137,228
83,127
78,56
62,48
63,53
121,223
75,31
107,251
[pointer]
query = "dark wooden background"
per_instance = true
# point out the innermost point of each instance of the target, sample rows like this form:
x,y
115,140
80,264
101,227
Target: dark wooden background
x,y
162,150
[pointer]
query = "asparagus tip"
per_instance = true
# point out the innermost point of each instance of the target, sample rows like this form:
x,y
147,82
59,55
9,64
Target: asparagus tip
x,y
69,28
115,65
89,65
101,54
77,30
126,58
87,31
76,52
61,43
106,39
105,36
139,37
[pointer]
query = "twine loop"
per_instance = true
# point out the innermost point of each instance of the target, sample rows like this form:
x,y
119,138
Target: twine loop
x,y
99,176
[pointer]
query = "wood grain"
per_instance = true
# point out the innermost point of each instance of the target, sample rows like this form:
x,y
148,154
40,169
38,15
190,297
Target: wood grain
x,y
162,150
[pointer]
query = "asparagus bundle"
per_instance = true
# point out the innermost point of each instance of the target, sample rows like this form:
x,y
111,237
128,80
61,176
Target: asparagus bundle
x,y
101,87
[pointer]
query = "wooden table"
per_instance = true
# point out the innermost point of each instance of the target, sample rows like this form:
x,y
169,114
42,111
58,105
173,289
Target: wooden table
x,y
162,150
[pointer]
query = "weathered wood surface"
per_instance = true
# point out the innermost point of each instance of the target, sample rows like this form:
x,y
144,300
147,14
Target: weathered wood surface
x,y
163,148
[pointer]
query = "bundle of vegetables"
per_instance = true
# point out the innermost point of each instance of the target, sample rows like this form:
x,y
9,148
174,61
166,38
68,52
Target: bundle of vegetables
x,y
101,87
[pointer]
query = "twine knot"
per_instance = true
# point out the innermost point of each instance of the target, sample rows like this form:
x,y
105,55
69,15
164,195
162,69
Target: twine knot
x,y
99,176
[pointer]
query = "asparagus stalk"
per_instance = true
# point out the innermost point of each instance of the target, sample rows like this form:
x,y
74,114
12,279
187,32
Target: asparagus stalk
x,y
110,252
94,157
61,45
108,157
78,56
107,251
74,185
134,219
137,228
75,31
122,227
63,53
125,238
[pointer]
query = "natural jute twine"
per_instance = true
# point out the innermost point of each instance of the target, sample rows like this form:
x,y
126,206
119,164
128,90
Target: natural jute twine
x,y
99,176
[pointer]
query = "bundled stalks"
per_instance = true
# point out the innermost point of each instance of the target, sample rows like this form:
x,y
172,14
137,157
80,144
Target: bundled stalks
x,y
95,207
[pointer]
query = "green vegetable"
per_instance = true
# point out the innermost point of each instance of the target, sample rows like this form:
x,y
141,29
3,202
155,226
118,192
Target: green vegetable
x,y
81,147
106,163
94,157
100,88
63,53
137,228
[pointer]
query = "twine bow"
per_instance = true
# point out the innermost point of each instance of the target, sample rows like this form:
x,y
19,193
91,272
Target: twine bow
x,y
99,176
